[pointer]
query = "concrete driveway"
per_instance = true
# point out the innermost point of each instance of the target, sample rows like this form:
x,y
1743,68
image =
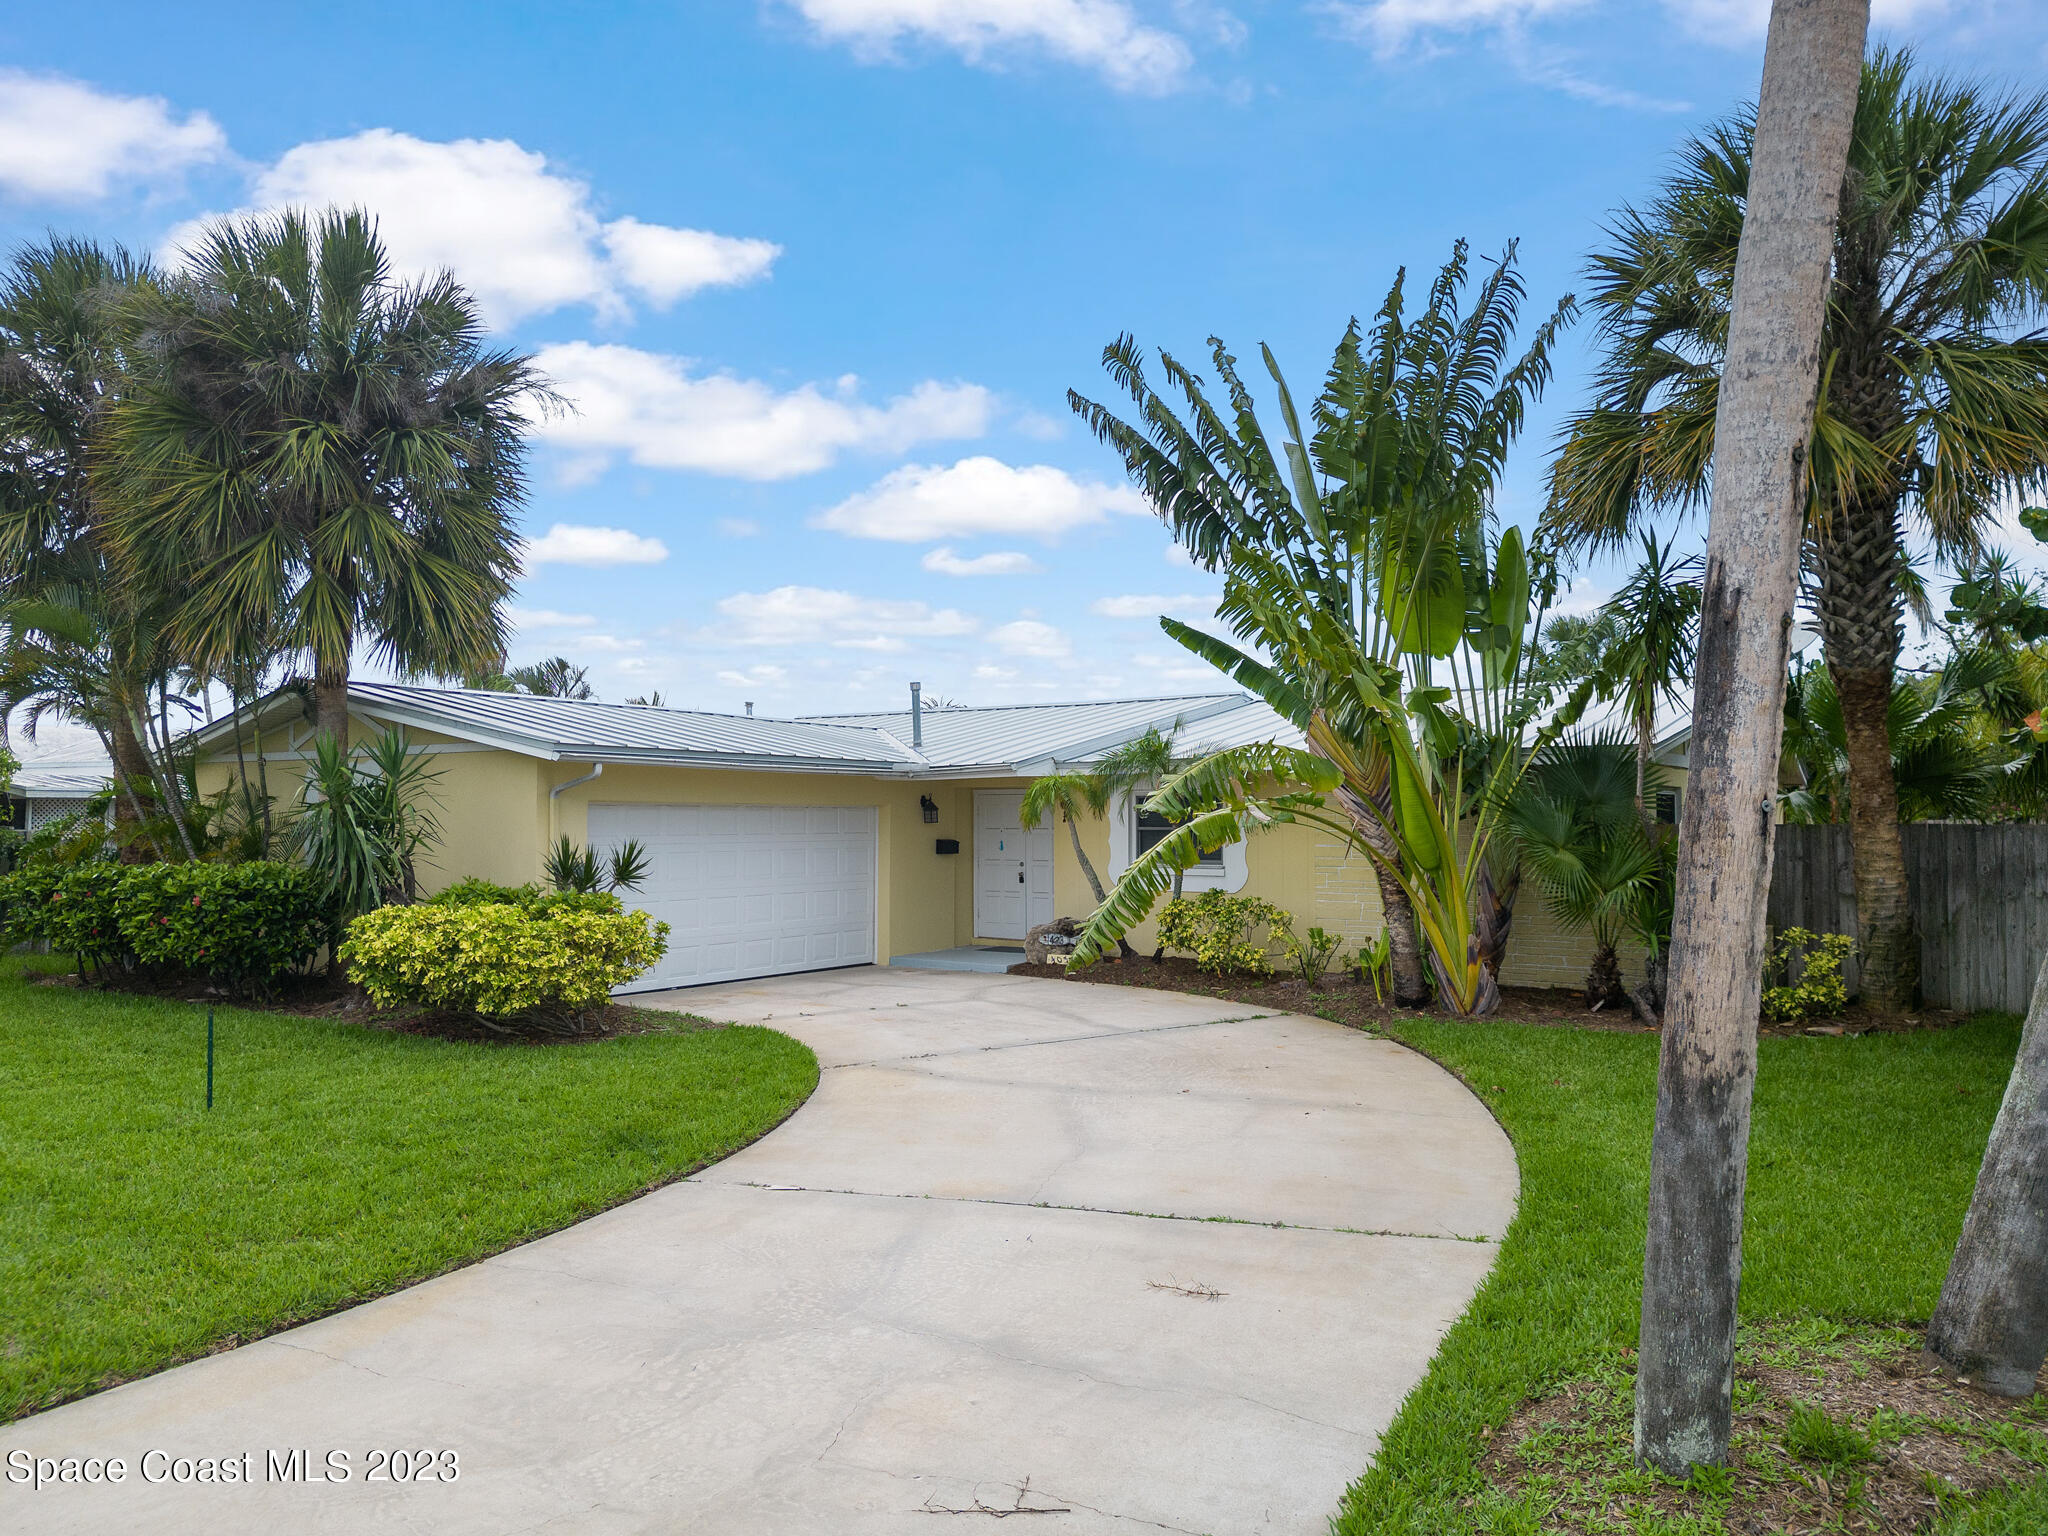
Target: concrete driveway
x,y
1152,1261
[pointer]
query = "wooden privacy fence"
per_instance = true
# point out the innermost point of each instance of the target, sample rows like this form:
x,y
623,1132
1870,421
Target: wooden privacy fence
x,y
1980,895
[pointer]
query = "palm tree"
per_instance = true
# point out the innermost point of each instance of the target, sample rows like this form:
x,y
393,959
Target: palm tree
x,y
555,678
1944,767
1070,796
1141,765
1576,823
1934,400
80,640
1656,619
324,453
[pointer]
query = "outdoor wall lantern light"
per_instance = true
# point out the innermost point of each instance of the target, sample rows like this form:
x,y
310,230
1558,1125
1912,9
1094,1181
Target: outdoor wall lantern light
x,y
931,809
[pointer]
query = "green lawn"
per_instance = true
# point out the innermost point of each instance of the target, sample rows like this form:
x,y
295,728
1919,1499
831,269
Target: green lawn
x,y
1862,1158
338,1162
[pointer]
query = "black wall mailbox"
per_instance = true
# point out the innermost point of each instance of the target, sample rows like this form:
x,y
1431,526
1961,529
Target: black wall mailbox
x,y
949,845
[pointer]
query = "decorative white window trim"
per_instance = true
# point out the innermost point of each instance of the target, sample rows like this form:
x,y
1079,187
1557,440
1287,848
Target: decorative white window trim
x,y
1229,876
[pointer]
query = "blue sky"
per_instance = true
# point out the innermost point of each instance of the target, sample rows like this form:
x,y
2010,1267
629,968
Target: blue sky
x,y
819,273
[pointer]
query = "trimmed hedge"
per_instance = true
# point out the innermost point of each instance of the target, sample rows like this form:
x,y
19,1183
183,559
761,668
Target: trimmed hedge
x,y
499,957
242,926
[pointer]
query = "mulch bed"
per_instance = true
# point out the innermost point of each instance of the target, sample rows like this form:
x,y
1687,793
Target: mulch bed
x,y
1900,1443
1346,1000
319,997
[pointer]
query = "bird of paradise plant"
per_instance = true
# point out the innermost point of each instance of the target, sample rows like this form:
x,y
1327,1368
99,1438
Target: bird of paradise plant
x,y
1373,606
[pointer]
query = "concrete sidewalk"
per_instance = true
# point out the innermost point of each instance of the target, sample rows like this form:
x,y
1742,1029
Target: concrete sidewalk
x,y
1130,1255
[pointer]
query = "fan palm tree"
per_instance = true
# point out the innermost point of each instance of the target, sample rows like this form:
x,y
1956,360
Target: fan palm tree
x,y
1944,767
1576,823
1070,796
80,640
1656,622
1933,406
1373,608
322,452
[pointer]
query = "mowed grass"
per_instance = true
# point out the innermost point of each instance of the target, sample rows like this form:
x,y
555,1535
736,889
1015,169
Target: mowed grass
x,y
338,1162
1863,1154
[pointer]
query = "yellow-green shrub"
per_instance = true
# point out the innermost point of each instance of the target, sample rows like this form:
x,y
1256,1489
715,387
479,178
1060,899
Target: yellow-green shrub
x,y
1217,930
1820,990
497,958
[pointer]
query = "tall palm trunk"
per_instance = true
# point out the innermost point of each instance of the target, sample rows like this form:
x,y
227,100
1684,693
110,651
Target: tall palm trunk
x,y
330,703
1706,1065
1858,564
1087,864
1645,728
134,790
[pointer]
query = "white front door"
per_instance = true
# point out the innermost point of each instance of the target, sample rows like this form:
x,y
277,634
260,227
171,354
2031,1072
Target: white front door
x,y
1012,868
750,890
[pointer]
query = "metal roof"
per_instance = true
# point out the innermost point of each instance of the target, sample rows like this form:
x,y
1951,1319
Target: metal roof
x,y
1011,739
1017,734
71,779
588,729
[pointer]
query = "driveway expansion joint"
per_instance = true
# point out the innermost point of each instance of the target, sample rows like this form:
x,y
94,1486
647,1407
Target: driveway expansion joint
x,y
1092,1210
1026,1045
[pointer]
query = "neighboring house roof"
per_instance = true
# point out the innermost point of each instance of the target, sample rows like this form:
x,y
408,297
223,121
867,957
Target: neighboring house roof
x,y
53,780
956,742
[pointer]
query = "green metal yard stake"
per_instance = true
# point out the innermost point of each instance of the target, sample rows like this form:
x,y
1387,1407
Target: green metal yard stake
x,y
209,1058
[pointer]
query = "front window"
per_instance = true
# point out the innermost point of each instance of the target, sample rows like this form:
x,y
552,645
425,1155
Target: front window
x,y
1151,829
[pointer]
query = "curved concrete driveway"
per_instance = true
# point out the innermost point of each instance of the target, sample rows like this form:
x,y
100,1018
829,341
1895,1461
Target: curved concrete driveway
x,y
1154,1261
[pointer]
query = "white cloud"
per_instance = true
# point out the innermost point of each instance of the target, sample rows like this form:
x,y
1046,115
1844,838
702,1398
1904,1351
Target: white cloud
x,y
1029,637
1583,597
1176,554
1391,24
65,141
1745,21
1006,562
978,495
1103,35
663,264
547,618
574,544
765,675
739,527
612,644
650,407
1137,605
804,615
524,238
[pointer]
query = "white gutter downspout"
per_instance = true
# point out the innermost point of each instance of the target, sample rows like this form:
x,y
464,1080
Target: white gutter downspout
x,y
555,794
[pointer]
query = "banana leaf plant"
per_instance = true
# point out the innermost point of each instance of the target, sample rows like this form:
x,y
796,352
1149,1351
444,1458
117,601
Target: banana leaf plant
x,y
1373,605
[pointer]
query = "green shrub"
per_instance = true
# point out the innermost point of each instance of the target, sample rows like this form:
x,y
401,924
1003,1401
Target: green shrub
x,y
499,958
1820,989
241,925
68,907
472,891
1312,955
1217,930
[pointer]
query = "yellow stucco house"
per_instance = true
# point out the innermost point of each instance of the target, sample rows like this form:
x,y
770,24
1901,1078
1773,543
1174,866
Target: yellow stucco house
x,y
781,845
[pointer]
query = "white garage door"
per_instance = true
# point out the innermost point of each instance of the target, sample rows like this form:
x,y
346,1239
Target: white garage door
x,y
750,890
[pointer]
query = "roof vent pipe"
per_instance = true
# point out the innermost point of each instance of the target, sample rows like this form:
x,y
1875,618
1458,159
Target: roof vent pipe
x,y
750,709
917,716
